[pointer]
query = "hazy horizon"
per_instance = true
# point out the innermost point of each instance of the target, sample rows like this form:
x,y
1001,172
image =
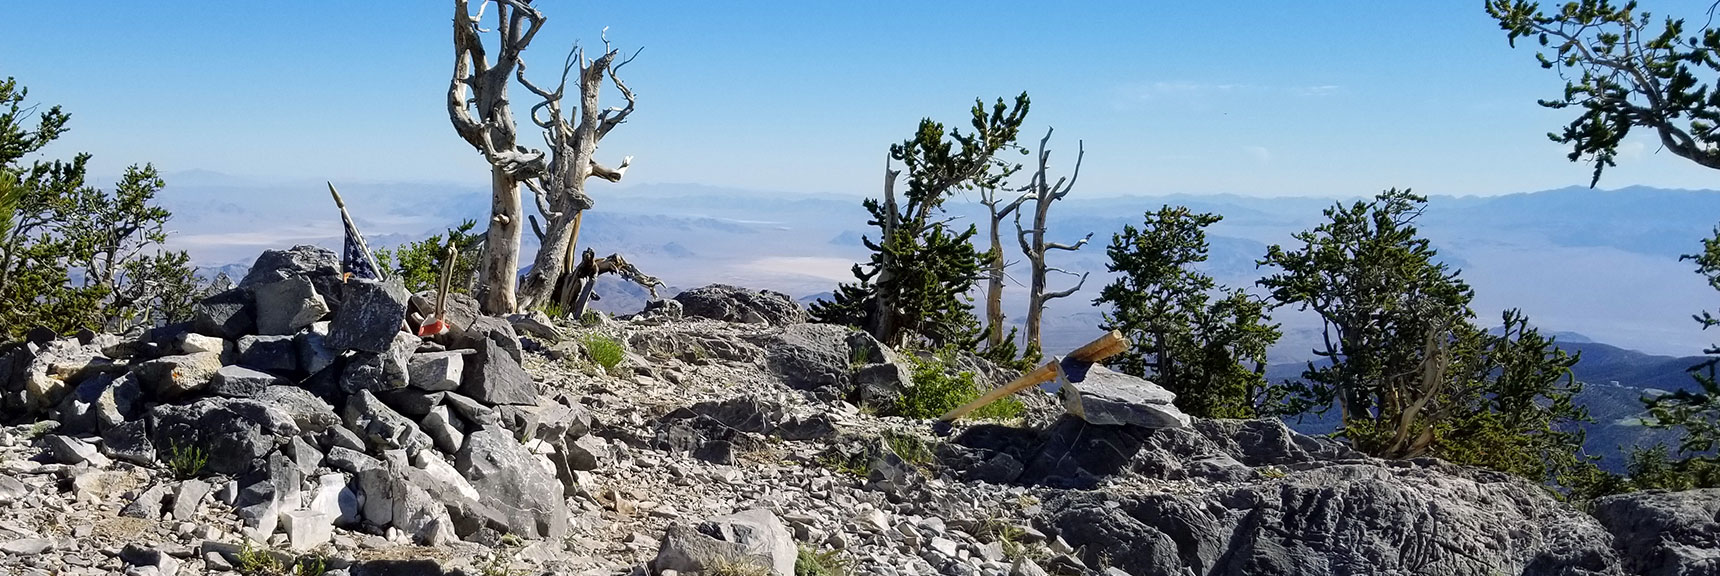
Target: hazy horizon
x,y
1601,263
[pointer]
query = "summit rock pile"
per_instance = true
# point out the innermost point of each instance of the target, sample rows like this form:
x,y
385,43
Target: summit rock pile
x,y
312,392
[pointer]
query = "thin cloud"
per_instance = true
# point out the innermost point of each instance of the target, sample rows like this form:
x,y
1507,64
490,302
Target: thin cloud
x,y
1260,153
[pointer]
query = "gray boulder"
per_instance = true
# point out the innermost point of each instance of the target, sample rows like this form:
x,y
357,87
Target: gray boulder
x,y
436,371
171,377
232,432
314,351
276,354
229,314
121,400
497,377
384,371
489,328
1109,398
443,428
129,441
369,316
810,356
317,264
68,450
512,482
1665,533
242,382
736,304
286,305
1367,518
411,402
380,426
311,414
753,537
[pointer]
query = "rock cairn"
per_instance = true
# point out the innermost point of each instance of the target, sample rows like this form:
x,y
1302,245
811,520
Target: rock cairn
x,y
314,393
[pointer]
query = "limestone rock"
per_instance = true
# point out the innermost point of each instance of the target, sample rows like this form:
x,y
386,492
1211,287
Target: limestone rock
x,y
511,480
229,314
171,377
192,343
314,351
129,441
317,264
68,450
232,432
241,382
444,429
188,497
436,371
736,304
755,537
1665,532
389,499
286,305
380,426
311,414
276,354
370,314
497,377
1109,398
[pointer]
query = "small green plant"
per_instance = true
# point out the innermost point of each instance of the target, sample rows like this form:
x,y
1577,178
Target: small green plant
x,y
913,449
591,318
254,561
553,309
726,566
1272,472
38,429
186,463
936,391
841,463
811,561
313,565
604,350
1007,534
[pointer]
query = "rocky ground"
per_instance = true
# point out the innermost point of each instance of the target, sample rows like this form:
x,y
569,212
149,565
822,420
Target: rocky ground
x,y
295,428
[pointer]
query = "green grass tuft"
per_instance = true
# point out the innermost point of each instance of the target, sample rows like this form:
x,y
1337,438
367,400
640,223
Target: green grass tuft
x,y
604,350
811,561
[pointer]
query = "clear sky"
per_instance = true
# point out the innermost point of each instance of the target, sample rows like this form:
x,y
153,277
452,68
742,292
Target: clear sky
x,y
1259,98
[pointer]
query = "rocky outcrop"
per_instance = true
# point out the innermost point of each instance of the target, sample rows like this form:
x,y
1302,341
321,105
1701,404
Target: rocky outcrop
x,y
1340,519
736,304
1665,533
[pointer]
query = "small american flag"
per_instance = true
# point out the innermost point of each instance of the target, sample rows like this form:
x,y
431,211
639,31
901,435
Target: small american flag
x,y
355,259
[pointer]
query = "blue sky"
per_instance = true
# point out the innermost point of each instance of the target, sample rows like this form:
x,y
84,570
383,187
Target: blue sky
x,y
1259,98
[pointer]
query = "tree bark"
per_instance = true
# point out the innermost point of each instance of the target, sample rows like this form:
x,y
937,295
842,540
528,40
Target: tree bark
x,y
493,133
560,190
1042,193
502,261
884,310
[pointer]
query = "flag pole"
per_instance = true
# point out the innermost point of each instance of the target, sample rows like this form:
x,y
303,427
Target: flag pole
x,y
346,219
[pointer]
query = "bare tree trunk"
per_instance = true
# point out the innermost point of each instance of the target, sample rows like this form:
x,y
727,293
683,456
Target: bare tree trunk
x,y
560,191
500,268
994,289
883,316
994,269
1042,193
486,121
